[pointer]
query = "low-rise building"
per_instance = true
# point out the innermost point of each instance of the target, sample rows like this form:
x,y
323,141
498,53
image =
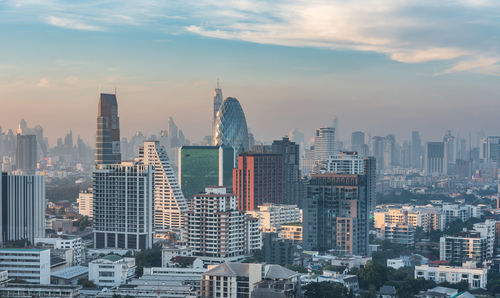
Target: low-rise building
x,y
86,203
292,231
28,264
272,216
66,242
398,233
69,276
111,270
167,254
475,277
22,290
468,246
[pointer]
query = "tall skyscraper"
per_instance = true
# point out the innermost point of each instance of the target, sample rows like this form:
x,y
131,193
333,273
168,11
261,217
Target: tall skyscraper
x,y
336,214
450,146
291,169
123,205
324,143
416,150
358,142
22,207
108,131
202,166
170,206
435,159
26,156
258,179
489,148
231,126
217,103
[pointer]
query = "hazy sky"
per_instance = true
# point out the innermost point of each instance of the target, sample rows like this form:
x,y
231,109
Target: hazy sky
x,y
381,66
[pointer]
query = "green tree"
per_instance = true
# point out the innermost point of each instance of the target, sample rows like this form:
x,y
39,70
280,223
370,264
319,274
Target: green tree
x,y
147,258
327,289
86,283
372,274
297,268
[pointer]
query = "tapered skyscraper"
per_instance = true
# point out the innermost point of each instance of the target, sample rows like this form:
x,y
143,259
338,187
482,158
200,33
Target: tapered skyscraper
x,y
217,102
231,126
107,148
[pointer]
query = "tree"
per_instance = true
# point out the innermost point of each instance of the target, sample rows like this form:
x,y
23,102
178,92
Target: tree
x,y
147,258
86,283
327,289
372,274
297,268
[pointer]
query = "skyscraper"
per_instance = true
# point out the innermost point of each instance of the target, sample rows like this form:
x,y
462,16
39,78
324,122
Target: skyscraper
x,y
202,166
416,150
336,214
217,103
358,142
170,205
26,156
123,205
258,179
291,169
108,131
324,143
435,159
231,126
22,207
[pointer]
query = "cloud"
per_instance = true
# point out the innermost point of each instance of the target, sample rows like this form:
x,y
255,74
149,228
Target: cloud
x,y
71,24
43,83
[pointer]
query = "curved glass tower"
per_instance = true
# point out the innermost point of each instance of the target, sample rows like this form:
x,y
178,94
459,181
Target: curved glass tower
x,y
231,126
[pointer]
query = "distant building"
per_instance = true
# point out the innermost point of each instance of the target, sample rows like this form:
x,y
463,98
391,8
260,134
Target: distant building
x,y
468,246
230,126
85,203
108,131
476,278
435,159
28,264
324,143
123,206
398,233
22,207
74,243
272,216
291,231
111,270
202,166
276,250
486,230
258,179
26,154
218,99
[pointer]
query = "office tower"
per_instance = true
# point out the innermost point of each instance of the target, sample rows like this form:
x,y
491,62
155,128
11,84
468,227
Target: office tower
x,y
108,131
217,231
169,203
22,207
217,103
231,126
291,169
324,143
489,148
392,157
258,179
416,150
406,155
26,156
435,159
123,206
202,166
336,214
358,142
379,151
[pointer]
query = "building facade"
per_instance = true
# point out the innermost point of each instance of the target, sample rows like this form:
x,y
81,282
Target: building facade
x,y
435,159
475,277
123,206
108,131
272,216
111,270
324,143
468,246
85,203
26,154
231,126
28,264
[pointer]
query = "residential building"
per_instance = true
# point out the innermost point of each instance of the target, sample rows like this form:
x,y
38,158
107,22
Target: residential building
x,y
258,179
277,250
170,206
107,149
217,231
324,143
74,243
22,207
123,206
336,213
486,230
277,281
398,233
28,264
111,270
26,154
468,246
231,126
343,163
291,231
475,277
272,216
85,203
202,166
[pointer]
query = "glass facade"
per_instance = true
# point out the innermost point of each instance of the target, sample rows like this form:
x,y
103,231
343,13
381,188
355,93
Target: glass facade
x,y
231,126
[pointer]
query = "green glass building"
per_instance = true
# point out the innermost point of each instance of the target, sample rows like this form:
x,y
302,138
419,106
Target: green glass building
x,y
202,166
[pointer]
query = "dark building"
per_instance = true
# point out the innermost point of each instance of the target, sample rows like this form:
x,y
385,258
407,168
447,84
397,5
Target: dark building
x,y
358,143
336,213
416,150
26,155
276,250
435,159
258,179
370,170
108,131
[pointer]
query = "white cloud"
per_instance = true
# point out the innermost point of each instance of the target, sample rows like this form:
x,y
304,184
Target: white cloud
x,y
71,24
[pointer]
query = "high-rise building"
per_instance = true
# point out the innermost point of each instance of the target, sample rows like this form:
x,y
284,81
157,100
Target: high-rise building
x,y
291,169
170,206
370,170
336,214
358,142
450,147
26,156
490,147
22,207
217,231
217,103
324,143
123,206
435,159
202,166
231,126
381,151
416,150
108,131
258,179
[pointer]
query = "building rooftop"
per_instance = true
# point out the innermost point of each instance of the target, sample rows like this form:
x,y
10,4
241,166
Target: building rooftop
x,y
278,272
23,249
71,272
112,258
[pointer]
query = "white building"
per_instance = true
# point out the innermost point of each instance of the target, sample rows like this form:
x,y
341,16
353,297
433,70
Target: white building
x,y
111,270
343,163
487,230
272,216
475,277
86,203
28,264
169,203
74,243
324,143
168,253
123,206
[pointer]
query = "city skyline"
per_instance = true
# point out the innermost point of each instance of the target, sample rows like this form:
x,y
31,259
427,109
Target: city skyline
x,y
428,69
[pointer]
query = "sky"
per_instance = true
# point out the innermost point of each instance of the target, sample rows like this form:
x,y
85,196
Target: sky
x,y
381,66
